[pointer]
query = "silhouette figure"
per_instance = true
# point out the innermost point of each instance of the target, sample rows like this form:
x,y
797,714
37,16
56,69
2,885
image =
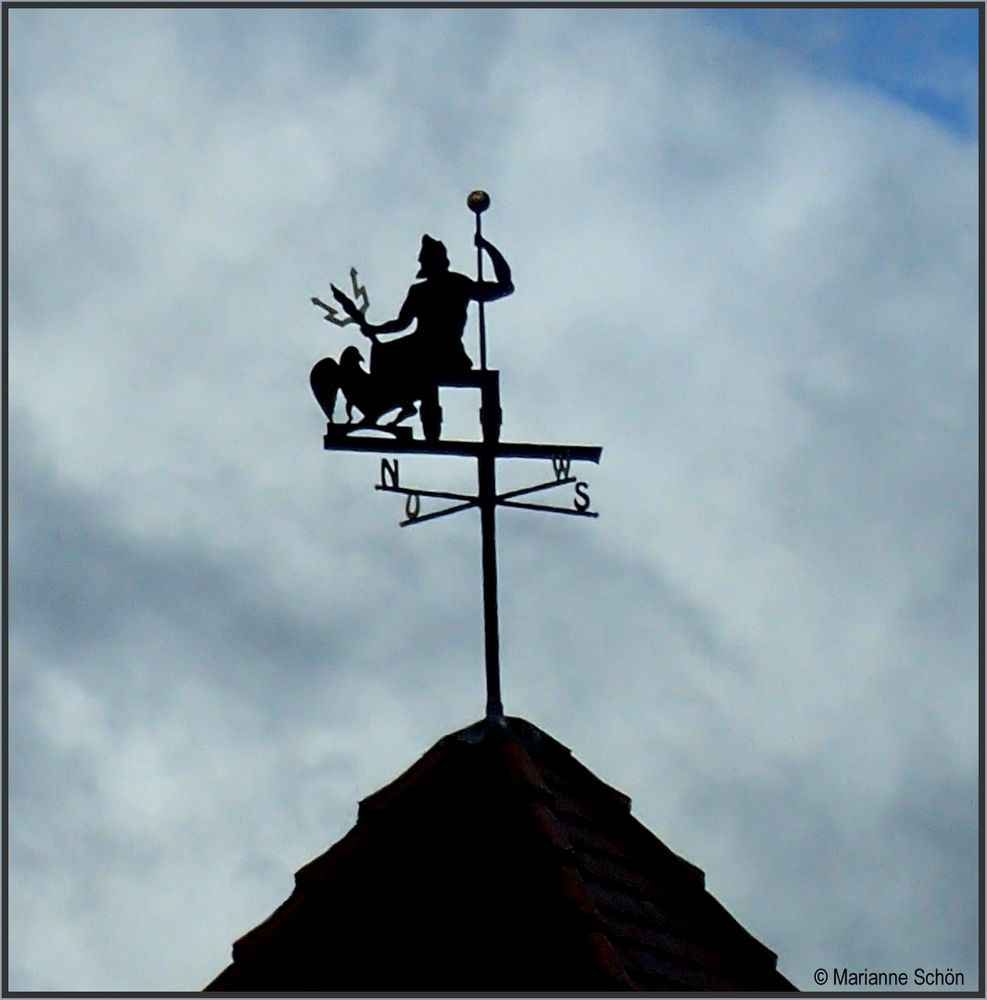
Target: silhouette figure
x,y
439,305
434,351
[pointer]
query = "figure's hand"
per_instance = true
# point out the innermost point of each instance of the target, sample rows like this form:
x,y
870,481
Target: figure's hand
x,y
349,307
479,241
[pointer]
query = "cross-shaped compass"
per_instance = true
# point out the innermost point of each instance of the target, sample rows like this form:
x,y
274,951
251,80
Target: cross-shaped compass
x,y
486,451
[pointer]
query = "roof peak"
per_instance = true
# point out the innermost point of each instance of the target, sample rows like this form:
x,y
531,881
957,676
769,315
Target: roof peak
x,y
499,727
499,861
508,746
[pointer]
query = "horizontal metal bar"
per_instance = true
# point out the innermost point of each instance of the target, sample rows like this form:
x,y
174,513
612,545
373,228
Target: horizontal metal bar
x,y
533,489
425,493
478,379
470,449
438,513
551,510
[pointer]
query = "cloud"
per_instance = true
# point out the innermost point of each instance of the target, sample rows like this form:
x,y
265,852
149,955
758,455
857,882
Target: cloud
x,y
756,287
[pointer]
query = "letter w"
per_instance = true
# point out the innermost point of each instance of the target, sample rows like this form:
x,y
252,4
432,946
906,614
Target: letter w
x,y
561,464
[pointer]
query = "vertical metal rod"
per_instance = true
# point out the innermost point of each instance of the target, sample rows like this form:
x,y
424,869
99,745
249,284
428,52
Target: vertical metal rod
x,y
491,634
479,277
490,418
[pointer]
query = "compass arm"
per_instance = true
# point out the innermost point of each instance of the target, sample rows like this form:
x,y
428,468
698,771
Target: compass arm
x,y
416,518
502,497
552,510
439,494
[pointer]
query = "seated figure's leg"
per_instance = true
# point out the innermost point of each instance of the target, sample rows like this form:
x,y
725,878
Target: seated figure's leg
x,y
395,368
406,410
324,381
431,413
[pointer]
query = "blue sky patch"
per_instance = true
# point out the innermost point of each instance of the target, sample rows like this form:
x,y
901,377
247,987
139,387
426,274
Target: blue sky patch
x,y
925,57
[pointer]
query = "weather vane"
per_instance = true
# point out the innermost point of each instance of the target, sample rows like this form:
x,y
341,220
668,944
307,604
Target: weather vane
x,y
411,370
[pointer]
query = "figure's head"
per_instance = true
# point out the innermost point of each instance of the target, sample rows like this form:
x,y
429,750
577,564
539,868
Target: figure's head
x,y
432,257
350,358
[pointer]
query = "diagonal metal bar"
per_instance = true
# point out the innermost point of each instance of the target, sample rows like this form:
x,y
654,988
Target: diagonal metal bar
x,y
551,510
438,513
533,489
438,494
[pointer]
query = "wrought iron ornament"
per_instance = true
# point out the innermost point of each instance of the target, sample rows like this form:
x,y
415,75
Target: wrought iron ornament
x,y
406,374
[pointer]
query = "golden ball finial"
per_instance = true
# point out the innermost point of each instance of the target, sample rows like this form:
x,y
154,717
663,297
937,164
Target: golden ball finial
x,y
478,201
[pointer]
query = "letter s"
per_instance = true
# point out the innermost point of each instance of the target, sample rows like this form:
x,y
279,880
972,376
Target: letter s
x,y
581,500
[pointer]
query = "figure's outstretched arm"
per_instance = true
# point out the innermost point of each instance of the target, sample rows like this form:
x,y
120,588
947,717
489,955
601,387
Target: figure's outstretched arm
x,y
487,291
401,322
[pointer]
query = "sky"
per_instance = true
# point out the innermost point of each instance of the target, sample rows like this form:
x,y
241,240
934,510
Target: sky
x,y
745,252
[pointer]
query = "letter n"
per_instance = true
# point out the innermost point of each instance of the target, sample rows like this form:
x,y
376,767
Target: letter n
x,y
388,471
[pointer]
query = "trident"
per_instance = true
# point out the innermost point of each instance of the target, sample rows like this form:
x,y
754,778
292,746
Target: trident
x,y
332,315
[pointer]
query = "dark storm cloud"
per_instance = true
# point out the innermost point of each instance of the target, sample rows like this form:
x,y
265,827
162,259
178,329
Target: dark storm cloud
x,y
78,578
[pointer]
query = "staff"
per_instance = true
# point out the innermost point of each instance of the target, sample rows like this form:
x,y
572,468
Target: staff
x,y
478,202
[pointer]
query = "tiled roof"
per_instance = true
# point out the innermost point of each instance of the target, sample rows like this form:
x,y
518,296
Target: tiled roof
x,y
499,863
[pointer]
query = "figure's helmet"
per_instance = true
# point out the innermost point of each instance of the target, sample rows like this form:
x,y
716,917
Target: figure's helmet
x,y
432,257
